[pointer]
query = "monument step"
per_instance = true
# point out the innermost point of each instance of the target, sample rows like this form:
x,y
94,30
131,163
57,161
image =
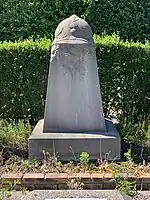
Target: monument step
x,y
69,146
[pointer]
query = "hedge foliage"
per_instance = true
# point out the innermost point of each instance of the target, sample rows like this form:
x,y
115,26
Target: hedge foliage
x,y
20,19
129,17
124,70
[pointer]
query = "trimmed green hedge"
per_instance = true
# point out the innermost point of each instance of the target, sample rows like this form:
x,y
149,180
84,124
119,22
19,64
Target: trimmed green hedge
x,y
23,70
20,19
130,18
124,77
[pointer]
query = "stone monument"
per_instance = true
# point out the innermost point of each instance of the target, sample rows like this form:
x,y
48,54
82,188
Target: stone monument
x,y
74,120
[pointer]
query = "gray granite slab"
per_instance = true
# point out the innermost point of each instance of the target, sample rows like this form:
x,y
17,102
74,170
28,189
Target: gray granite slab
x,y
53,194
42,195
69,146
79,198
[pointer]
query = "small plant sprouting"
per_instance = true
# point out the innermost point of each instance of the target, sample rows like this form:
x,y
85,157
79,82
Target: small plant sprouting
x,y
48,158
6,192
121,179
124,185
75,184
59,164
84,158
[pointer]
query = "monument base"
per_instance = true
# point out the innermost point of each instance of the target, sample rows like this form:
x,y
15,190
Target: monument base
x,y
69,146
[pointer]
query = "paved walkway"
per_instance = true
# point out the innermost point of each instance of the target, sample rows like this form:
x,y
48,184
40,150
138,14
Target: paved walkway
x,y
54,194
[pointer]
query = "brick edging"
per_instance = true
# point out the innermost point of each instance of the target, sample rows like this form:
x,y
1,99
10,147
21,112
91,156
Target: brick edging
x,y
59,180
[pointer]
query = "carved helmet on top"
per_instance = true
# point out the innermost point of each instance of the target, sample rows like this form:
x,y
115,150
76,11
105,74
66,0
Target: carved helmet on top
x,y
73,30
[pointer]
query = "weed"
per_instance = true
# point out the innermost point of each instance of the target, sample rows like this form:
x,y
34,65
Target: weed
x,y
75,184
121,180
49,159
6,192
50,164
84,158
14,135
59,164
16,163
27,165
124,185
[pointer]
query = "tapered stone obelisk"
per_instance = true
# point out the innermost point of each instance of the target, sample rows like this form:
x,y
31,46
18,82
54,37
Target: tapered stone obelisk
x,y
73,102
74,120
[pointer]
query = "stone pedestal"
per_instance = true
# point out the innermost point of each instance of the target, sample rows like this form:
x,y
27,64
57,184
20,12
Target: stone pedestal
x,y
74,121
69,146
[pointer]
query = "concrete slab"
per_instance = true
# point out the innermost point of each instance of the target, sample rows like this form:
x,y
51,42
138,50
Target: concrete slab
x,y
69,146
86,194
80,199
57,194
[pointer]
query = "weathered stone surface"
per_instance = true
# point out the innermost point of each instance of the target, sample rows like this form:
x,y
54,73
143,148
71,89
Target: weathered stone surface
x,y
109,195
73,102
68,146
73,119
79,199
73,30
